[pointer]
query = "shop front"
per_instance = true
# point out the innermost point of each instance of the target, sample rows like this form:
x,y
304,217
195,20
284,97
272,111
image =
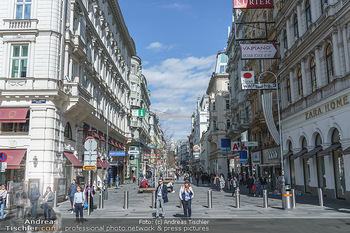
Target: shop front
x,y
271,168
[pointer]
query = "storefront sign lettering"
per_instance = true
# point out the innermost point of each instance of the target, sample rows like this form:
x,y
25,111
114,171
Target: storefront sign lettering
x,y
327,107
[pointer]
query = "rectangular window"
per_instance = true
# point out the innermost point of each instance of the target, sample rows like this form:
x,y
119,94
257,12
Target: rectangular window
x,y
23,9
19,61
15,127
227,104
214,107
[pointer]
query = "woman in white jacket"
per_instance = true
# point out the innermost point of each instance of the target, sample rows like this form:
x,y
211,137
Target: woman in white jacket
x,y
186,194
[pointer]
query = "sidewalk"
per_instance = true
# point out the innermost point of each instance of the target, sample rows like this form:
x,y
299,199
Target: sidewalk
x,y
223,205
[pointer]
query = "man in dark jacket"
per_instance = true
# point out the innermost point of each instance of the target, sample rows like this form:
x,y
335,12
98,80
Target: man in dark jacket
x,y
161,197
71,191
34,195
250,183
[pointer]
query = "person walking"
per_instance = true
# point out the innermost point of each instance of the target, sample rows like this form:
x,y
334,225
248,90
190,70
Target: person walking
x,y
3,197
48,203
34,195
71,191
263,182
186,195
258,190
117,181
217,182
92,193
78,205
234,185
222,183
21,199
250,183
197,179
162,197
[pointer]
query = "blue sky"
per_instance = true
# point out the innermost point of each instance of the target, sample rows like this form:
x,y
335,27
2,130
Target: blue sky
x,y
177,41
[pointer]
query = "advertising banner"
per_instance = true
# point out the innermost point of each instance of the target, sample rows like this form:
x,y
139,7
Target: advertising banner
x,y
252,4
258,51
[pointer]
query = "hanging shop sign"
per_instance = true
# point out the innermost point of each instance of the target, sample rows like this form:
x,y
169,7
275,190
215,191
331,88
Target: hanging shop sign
x,y
252,4
258,51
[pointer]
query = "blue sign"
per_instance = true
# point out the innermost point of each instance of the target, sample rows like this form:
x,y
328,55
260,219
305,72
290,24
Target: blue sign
x,y
113,164
38,101
243,156
117,153
225,145
3,157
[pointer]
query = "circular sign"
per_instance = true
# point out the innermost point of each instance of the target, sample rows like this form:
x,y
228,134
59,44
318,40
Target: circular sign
x,y
196,148
247,75
3,157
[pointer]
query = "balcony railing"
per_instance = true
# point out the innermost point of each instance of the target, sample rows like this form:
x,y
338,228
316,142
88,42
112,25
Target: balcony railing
x,y
21,23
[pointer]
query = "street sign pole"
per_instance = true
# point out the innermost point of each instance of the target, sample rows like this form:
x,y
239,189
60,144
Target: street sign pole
x,y
89,182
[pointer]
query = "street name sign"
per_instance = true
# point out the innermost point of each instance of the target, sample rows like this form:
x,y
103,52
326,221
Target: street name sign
x,y
258,51
133,152
257,86
89,167
250,144
252,4
117,153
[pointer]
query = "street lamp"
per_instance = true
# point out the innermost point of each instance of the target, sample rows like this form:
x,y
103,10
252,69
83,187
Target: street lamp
x,y
279,122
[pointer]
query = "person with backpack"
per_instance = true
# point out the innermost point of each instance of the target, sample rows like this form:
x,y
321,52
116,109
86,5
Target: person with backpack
x,y
78,204
34,196
186,195
21,199
71,191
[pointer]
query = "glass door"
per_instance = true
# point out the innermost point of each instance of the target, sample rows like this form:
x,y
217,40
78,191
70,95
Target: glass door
x,y
339,173
307,175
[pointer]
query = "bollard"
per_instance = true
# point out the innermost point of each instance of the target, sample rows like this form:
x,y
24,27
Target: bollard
x,y
210,199
153,199
265,199
101,200
287,198
320,197
294,202
55,199
126,200
238,199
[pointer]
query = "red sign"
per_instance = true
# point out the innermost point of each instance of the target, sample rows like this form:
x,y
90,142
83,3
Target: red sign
x,y
3,157
252,4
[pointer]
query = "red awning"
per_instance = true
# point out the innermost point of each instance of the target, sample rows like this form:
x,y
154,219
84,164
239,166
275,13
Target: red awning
x,y
101,162
13,115
71,157
96,135
109,166
14,158
103,138
98,165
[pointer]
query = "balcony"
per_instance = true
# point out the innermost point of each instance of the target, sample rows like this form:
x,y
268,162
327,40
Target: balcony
x,y
20,24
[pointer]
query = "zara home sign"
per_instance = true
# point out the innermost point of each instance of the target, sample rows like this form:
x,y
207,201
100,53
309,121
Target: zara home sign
x,y
337,103
252,4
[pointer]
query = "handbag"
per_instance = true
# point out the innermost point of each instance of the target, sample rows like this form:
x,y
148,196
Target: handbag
x,y
85,205
254,187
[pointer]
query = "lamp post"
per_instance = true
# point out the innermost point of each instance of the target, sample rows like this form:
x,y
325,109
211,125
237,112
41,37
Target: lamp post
x,y
279,124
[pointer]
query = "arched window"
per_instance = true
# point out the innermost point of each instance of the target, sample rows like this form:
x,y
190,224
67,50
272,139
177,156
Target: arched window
x,y
335,136
303,143
313,74
300,83
318,140
329,59
295,25
289,97
308,13
68,132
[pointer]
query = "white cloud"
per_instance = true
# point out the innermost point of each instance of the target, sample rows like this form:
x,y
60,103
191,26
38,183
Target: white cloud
x,y
157,47
176,6
175,84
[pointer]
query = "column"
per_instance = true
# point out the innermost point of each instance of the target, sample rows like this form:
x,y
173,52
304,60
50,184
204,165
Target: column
x,y
336,53
319,78
305,78
300,20
346,49
292,85
289,37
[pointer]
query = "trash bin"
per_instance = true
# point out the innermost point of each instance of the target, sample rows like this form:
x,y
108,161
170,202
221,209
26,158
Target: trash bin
x,y
287,198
